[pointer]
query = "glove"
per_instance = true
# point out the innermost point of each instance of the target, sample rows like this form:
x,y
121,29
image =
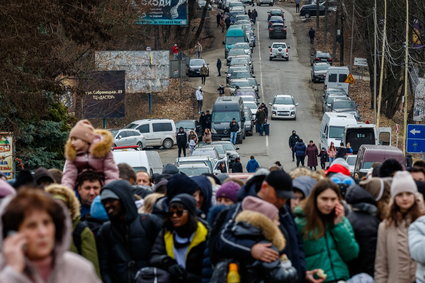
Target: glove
x,y
177,272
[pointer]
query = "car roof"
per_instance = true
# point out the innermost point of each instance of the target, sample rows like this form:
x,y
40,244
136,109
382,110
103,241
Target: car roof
x,y
283,95
321,63
279,42
277,24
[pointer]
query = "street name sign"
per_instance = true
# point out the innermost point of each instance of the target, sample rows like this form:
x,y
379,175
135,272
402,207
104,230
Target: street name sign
x,y
415,138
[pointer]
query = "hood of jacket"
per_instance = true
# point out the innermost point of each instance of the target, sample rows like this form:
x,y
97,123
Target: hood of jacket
x,y
60,248
252,187
304,183
269,230
123,190
6,189
206,189
41,173
67,196
357,194
99,148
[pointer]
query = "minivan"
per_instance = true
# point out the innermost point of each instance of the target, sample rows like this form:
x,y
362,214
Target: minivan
x,y
224,110
332,128
336,76
360,134
156,132
234,35
140,160
369,154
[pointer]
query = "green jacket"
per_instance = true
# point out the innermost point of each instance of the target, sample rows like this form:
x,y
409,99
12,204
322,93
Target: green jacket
x,y
331,251
88,246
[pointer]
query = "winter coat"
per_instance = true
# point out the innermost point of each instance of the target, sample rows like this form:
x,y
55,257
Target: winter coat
x,y
207,138
199,94
208,120
293,139
237,167
417,247
252,166
331,251
234,127
125,245
364,220
261,117
219,61
312,153
163,254
68,267
204,71
181,139
99,159
341,152
331,153
393,262
323,156
300,149
206,189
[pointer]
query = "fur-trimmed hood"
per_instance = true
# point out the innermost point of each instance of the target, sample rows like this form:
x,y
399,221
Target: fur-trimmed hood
x,y
67,196
269,230
100,147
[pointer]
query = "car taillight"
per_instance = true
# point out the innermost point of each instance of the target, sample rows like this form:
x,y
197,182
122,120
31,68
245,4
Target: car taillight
x,y
270,29
329,59
270,50
286,50
316,59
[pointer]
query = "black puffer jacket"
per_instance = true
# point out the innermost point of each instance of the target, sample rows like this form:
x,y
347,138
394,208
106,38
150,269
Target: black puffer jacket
x,y
365,222
181,138
125,246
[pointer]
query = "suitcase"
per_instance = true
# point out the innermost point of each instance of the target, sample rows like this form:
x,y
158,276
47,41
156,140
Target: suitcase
x,y
266,128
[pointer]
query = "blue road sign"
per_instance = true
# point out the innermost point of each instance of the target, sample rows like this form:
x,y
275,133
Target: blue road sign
x,y
415,138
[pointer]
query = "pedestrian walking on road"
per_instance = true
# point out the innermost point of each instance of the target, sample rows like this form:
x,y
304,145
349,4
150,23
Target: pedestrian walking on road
x,y
252,165
300,152
312,153
227,21
204,73
297,6
219,67
218,18
260,120
312,35
254,16
198,49
293,139
181,141
249,13
220,90
234,128
199,98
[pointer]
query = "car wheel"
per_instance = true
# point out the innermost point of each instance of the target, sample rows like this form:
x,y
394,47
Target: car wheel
x,y
140,145
271,59
287,59
240,140
167,143
270,4
307,15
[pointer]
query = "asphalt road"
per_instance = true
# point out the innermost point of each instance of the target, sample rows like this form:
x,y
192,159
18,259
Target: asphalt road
x,y
275,77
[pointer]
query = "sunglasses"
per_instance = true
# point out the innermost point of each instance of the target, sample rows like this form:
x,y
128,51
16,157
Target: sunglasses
x,y
179,213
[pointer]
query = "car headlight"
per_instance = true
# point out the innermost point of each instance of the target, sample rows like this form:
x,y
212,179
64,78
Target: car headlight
x,y
274,108
213,131
292,108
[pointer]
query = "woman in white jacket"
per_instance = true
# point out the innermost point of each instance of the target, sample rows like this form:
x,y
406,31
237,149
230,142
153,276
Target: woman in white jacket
x,y
417,247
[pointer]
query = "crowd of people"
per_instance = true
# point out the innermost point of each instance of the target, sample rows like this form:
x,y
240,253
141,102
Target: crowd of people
x,y
98,221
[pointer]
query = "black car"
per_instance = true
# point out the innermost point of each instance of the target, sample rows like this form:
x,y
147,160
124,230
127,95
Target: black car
x,y
277,30
194,67
318,72
275,12
276,19
320,56
310,10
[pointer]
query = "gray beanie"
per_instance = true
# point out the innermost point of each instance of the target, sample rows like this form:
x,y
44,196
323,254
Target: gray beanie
x,y
403,182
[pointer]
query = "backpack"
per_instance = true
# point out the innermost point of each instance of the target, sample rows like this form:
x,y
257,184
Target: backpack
x,y
76,235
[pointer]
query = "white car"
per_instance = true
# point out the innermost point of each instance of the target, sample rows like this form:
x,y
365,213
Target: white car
x,y
252,106
279,50
351,160
284,106
127,137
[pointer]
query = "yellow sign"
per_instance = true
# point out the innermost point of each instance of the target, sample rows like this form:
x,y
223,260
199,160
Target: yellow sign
x,y
349,79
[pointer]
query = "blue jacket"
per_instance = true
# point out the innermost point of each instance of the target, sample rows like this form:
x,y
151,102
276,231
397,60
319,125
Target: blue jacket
x,y
300,149
252,166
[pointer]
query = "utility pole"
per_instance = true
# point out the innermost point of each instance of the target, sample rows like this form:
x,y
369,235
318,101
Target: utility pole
x,y
406,78
381,75
352,37
336,35
375,58
326,22
317,14
341,51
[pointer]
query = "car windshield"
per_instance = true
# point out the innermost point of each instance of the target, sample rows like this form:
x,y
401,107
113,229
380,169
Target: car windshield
x,y
323,55
207,152
194,171
185,124
248,98
234,52
321,67
332,98
276,19
131,126
367,165
239,61
277,45
283,100
241,46
252,82
343,104
234,39
336,132
351,160
240,84
197,62
228,147
241,74
114,132
219,117
251,105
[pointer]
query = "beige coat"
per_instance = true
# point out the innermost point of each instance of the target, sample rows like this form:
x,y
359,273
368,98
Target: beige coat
x,y
393,263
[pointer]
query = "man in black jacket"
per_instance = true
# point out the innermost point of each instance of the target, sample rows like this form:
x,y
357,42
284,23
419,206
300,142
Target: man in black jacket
x,y
234,128
208,119
126,240
181,141
292,141
237,166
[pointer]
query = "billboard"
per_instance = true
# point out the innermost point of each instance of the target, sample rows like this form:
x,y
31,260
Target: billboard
x,y
103,94
6,155
163,12
145,71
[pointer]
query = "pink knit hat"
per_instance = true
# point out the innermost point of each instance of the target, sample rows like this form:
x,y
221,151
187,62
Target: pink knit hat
x,y
83,130
258,205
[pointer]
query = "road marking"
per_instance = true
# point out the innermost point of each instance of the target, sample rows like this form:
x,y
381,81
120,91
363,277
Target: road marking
x,y
267,145
259,58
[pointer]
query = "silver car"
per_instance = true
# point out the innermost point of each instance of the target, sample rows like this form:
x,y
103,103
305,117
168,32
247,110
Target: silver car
x,y
284,106
127,137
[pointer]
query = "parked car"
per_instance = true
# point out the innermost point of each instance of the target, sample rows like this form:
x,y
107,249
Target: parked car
x,y
233,69
318,72
320,56
243,45
241,75
189,125
156,132
248,98
369,154
330,91
252,106
230,148
327,104
274,20
277,30
279,50
275,12
249,121
345,106
194,67
242,17
351,160
140,160
243,60
194,169
284,106
311,10
127,137
267,2
235,52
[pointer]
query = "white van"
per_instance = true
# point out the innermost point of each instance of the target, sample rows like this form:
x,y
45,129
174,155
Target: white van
x,y
332,128
358,135
336,76
156,132
141,160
